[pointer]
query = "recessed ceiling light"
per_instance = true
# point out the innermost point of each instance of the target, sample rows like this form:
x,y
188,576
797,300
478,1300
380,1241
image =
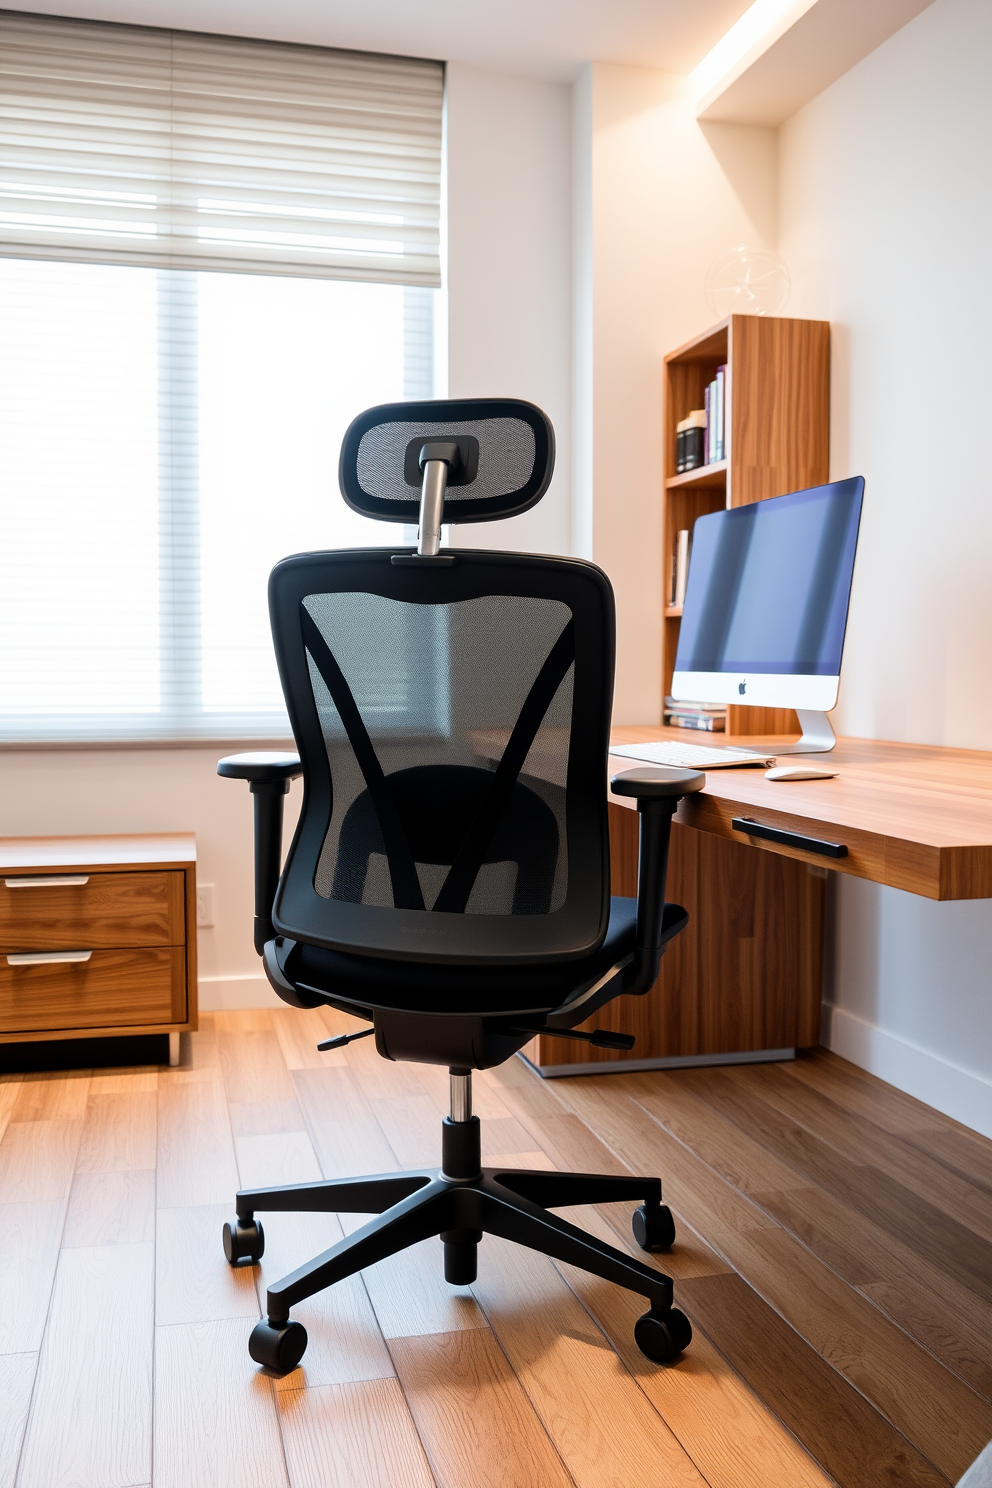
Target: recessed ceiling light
x,y
760,25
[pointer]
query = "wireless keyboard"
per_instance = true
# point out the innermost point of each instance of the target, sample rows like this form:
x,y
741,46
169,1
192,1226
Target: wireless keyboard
x,y
692,756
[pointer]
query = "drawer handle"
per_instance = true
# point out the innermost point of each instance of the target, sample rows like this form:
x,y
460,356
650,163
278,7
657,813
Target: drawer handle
x,y
789,839
47,958
49,881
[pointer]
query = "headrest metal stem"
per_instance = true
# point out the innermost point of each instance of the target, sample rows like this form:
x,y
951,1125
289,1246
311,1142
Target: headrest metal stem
x,y
431,506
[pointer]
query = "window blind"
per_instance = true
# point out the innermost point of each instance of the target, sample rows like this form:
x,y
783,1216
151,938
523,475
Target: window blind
x,y
170,149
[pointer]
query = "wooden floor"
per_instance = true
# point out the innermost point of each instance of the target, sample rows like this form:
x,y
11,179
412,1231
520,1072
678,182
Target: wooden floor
x,y
835,1256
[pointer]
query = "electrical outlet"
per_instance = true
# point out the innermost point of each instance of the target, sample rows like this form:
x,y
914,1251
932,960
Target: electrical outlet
x,y
204,904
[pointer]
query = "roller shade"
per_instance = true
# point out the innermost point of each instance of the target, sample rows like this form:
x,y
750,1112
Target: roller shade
x,y
172,149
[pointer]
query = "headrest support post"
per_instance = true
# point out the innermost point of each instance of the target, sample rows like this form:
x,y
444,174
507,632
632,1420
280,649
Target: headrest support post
x,y
431,507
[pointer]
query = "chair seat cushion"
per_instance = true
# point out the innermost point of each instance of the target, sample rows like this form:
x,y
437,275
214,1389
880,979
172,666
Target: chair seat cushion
x,y
372,982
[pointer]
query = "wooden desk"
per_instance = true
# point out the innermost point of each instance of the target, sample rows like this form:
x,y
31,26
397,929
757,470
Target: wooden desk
x,y
745,980
913,816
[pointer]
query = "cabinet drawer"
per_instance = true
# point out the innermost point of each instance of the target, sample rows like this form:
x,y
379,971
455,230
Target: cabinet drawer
x,y
116,988
49,912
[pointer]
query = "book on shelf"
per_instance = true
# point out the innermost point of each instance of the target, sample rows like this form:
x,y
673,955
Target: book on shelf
x,y
690,441
715,407
680,566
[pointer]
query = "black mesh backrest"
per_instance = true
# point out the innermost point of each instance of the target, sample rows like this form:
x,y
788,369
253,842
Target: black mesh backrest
x,y
452,720
507,450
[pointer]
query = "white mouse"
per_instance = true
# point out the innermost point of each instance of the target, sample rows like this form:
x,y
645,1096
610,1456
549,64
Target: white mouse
x,y
799,772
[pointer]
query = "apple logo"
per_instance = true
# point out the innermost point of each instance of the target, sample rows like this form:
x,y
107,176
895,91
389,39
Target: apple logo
x,y
742,688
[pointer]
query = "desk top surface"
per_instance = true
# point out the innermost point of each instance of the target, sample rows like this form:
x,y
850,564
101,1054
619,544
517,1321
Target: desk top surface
x,y
914,816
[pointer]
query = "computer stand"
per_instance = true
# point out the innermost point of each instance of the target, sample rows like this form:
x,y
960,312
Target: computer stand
x,y
817,738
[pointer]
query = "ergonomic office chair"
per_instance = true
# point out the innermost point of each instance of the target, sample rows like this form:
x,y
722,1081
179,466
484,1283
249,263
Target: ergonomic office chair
x,y
449,877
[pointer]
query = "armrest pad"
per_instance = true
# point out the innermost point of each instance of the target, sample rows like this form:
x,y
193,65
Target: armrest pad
x,y
264,766
657,782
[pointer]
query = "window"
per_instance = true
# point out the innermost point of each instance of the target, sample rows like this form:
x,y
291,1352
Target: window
x,y
173,391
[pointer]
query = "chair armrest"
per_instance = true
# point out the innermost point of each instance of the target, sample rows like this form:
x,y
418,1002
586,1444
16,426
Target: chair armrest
x,y
268,774
262,767
657,791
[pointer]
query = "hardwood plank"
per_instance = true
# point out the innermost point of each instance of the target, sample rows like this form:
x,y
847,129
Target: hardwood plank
x,y
264,1118
140,1080
346,1344
867,1188
864,1094
410,1295
276,1158
750,1448
472,1415
951,1322
572,1145
604,1428
37,1160
346,1136
52,1097
252,1063
863,1142
352,1436
299,1031
29,1255
9,1091
111,1208
215,1415
193,1282
931,1406
17,1373
119,1132
411,1126
196,1162
90,1423
837,1426
948,1324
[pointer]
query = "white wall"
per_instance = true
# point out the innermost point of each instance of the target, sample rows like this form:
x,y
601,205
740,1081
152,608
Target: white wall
x,y
509,290
886,225
657,200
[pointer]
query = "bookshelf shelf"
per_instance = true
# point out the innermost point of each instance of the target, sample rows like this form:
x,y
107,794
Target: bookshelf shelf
x,y
777,431
714,474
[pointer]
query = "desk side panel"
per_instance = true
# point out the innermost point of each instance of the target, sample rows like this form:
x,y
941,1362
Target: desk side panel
x,y
746,974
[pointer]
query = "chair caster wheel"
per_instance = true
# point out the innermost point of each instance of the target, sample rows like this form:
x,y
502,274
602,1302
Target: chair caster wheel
x,y
654,1227
244,1240
661,1336
278,1347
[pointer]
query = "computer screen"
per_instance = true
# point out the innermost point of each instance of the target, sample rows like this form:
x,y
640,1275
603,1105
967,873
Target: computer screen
x,y
767,598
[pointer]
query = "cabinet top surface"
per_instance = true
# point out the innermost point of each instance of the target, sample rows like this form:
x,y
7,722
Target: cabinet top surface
x,y
922,813
171,849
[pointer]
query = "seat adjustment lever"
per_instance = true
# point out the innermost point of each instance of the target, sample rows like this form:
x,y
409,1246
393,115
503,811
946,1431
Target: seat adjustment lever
x,y
342,1039
601,1039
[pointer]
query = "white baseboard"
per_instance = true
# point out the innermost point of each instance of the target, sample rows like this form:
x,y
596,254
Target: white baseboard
x,y
228,994
958,1093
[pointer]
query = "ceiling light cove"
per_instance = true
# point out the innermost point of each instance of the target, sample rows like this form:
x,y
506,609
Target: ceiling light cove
x,y
758,28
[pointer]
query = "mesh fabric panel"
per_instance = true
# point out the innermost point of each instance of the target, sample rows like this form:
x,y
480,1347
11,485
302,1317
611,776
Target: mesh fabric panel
x,y
506,456
439,688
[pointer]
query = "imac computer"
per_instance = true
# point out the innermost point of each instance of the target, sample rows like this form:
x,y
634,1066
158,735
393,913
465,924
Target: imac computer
x,y
766,605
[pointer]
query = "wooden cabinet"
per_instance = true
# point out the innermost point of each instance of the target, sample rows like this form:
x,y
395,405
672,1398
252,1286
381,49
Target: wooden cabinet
x,y
777,431
97,937
744,976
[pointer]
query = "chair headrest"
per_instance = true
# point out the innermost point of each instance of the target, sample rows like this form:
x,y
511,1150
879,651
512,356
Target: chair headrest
x,y
506,456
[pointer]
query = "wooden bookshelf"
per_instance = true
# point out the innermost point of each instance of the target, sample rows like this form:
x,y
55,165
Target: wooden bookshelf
x,y
777,423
